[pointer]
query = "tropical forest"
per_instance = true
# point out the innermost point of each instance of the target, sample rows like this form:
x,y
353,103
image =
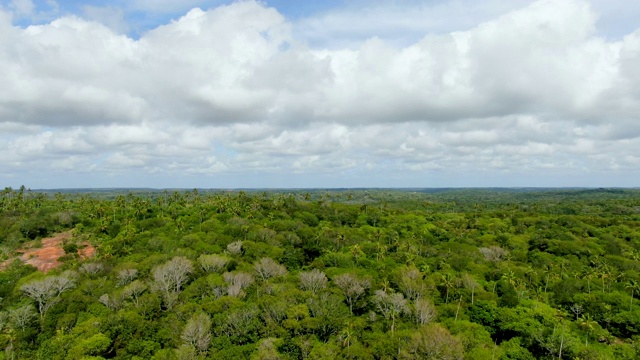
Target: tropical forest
x,y
320,274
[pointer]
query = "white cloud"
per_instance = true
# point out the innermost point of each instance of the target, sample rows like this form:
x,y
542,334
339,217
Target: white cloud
x,y
240,89
399,22
111,17
22,7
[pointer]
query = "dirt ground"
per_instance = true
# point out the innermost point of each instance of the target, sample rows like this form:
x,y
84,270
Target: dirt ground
x,y
46,257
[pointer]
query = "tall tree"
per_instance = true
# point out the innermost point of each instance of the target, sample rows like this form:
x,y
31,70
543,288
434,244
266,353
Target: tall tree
x,y
46,292
352,287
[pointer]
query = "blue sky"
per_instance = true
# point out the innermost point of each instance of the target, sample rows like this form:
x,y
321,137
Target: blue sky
x,y
352,93
142,16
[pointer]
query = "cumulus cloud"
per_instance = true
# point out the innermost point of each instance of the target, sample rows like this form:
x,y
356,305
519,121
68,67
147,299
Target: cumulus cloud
x,y
241,89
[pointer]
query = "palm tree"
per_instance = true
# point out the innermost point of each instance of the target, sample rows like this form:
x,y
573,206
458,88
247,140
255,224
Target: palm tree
x,y
530,273
160,202
633,285
339,240
588,275
425,268
603,273
510,277
587,323
356,251
346,335
385,284
448,282
381,250
563,268
547,272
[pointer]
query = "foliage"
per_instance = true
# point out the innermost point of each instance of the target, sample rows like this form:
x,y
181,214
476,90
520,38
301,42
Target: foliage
x,y
317,274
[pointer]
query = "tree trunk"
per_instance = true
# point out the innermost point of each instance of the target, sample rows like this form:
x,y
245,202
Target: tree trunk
x,y
473,289
561,343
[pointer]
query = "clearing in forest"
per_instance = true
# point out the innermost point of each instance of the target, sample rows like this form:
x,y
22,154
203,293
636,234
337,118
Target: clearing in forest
x,y
46,257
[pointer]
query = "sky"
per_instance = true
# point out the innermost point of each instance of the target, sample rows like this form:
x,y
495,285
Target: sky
x,y
319,94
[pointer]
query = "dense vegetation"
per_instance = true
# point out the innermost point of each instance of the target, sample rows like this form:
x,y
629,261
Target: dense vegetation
x,y
353,274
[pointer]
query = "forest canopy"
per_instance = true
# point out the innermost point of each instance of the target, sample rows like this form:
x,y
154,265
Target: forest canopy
x,y
323,274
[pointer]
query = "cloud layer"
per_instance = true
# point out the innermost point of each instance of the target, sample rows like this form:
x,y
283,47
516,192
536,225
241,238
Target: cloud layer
x,y
241,95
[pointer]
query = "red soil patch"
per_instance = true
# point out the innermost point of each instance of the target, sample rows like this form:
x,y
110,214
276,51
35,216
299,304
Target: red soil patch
x,y
46,257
